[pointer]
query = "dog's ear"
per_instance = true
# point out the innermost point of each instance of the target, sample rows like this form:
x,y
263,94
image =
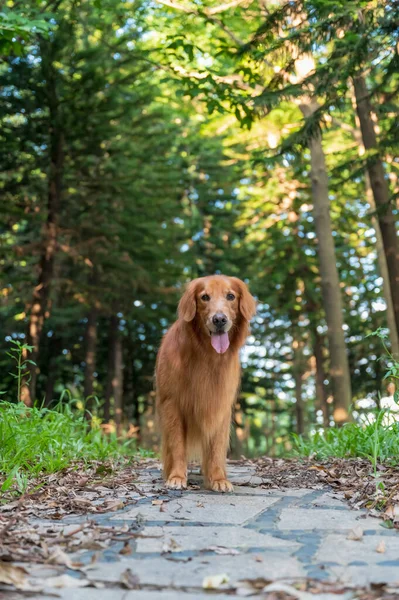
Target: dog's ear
x,y
188,305
247,303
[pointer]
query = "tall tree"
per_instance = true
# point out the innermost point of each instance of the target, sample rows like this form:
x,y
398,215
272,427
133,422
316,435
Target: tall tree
x,y
90,354
379,186
41,291
379,246
330,284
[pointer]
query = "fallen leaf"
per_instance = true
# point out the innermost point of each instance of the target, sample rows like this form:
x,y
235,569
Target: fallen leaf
x,y
126,549
381,547
288,590
68,530
249,587
392,512
111,505
320,468
355,534
9,506
129,580
13,575
94,558
244,592
171,546
59,557
81,501
387,524
157,502
223,550
215,582
82,481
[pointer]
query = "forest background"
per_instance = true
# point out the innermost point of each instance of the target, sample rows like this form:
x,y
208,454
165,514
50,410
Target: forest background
x,y
145,143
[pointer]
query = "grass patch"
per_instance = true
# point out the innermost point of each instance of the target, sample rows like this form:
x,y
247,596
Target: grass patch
x,y
38,440
374,440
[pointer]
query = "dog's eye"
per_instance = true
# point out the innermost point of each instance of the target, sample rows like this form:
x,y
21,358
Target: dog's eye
x,y
205,297
230,296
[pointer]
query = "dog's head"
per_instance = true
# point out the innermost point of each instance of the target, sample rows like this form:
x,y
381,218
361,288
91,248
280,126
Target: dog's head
x,y
217,303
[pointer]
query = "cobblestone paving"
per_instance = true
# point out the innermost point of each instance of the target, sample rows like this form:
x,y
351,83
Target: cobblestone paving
x,y
251,535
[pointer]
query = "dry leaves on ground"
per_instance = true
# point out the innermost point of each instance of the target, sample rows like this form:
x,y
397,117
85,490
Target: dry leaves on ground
x,y
353,478
310,589
92,490
13,575
50,543
129,580
79,489
283,473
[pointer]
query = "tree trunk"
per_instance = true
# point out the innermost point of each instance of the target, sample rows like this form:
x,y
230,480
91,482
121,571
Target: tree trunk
x,y
332,302
118,384
379,186
273,423
46,265
50,384
298,368
383,271
321,392
381,257
130,391
112,335
114,389
55,347
90,357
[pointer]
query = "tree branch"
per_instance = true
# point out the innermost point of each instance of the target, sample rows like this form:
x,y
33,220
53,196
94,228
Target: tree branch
x,y
176,6
207,12
223,7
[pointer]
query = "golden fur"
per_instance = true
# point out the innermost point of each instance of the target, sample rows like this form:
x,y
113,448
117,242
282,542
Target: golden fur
x,y
196,387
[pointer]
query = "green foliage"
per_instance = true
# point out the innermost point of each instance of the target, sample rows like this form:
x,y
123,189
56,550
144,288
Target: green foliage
x,y
18,353
17,28
374,436
373,440
38,441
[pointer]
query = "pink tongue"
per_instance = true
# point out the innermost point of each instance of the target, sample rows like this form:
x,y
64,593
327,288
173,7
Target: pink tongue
x,y
220,342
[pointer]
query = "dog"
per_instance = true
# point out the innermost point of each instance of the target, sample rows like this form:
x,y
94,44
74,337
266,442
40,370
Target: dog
x,y
197,378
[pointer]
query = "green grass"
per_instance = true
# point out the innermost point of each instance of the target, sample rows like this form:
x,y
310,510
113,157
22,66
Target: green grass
x,y
373,440
37,441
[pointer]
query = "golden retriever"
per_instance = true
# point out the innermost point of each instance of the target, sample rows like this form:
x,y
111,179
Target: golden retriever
x,y
198,376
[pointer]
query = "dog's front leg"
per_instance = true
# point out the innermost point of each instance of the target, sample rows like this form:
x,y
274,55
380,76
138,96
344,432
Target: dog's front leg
x,y
174,452
215,448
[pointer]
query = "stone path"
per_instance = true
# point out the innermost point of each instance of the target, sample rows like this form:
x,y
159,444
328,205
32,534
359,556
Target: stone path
x,y
252,537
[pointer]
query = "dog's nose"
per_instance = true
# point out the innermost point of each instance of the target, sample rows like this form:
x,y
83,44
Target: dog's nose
x,y
219,320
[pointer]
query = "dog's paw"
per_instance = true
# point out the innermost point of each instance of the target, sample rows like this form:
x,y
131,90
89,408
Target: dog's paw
x,y
221,485
176,483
